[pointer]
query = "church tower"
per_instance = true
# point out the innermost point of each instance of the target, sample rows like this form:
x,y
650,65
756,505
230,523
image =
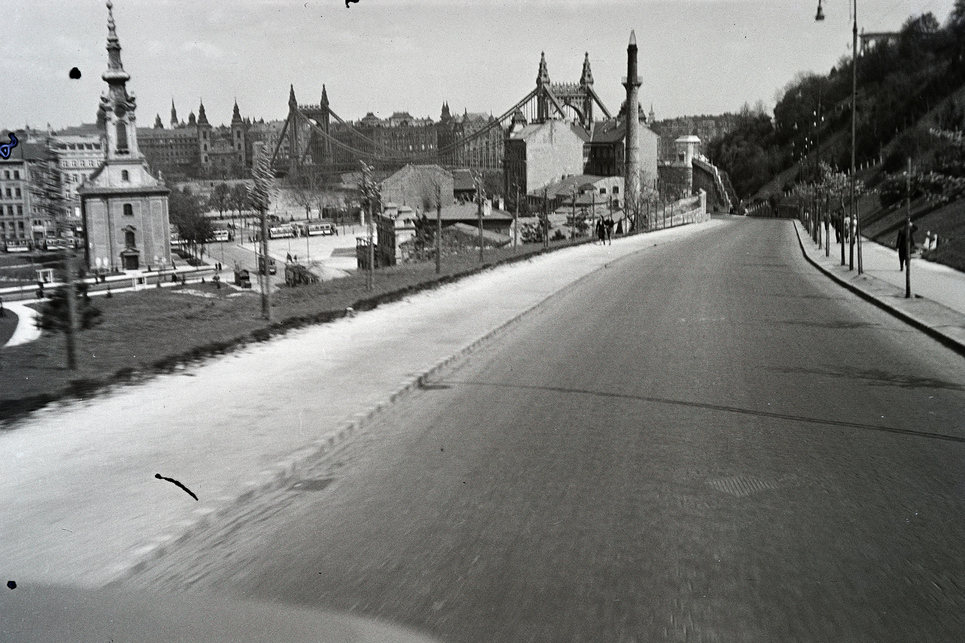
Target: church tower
x,y
124,207
238,138
204,138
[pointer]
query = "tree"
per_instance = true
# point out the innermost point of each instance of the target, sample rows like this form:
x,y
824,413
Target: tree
x,y
45,185
55,313
259,195
220,198
239,199
187,215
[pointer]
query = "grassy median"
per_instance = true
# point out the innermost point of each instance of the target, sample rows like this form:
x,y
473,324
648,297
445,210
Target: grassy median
x,y
158,330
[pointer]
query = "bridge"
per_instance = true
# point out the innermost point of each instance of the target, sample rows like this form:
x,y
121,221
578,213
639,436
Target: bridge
x,y
316,139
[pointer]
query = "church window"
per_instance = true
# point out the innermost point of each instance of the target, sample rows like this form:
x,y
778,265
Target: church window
x,y
128,210
122,137
125,176
129,238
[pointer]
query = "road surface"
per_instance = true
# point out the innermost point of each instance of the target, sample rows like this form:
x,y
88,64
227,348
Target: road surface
x,y
706,441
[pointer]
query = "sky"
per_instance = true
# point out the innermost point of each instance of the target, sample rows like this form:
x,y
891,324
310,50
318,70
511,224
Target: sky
x,y
382,56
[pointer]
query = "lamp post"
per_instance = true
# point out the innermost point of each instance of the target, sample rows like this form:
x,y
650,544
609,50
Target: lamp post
x,y
855,239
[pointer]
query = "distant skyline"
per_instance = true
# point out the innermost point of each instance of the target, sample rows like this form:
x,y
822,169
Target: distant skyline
x,y
696,56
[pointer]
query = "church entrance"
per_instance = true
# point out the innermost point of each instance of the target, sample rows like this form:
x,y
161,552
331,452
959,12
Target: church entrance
x,y
130,262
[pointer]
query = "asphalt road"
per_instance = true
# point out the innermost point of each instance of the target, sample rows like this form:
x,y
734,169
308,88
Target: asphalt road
x,y
707,441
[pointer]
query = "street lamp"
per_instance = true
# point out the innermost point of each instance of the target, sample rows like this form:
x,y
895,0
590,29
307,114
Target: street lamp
x,y
856,237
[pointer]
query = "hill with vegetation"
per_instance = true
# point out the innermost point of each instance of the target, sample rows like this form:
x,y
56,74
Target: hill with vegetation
x,y
899,82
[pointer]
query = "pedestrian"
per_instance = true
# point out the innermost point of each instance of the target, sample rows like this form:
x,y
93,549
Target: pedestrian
x,y
609,230
905,242
601,230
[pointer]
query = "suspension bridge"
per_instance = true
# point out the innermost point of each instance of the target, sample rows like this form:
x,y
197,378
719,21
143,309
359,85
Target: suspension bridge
x,y
316,139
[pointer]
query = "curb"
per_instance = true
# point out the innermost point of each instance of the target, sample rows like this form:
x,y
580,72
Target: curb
x,y
286,471
935,333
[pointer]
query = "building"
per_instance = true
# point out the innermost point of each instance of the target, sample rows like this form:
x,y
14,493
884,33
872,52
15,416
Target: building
x,y
79,151
22,215
606,148
419,187
123,206
540,153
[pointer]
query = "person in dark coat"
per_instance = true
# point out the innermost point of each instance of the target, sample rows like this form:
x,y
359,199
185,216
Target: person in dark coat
x,y
601,230
903,244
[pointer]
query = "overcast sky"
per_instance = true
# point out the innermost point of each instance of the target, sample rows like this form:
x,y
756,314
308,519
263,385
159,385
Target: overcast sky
x,y
696,56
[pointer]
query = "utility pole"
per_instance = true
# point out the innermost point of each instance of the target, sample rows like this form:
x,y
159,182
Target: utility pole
x,y
438,229
516,221
908,241
573,216
479,215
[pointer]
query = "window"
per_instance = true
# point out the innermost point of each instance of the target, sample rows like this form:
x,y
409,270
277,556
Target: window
x,y
129,238
128,210
17,192
602,190
19,211
9,194
16,174
6,174
125,176
122,138
616,189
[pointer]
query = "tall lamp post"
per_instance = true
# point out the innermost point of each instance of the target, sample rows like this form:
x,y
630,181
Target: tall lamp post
x,y
856,237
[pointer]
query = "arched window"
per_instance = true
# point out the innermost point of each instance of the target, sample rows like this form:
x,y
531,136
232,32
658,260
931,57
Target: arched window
x,y
128,210
125,176
121,137
129,238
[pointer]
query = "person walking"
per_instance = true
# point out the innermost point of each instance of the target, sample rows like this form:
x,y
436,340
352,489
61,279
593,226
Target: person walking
x,y
609,230
601,230
905,243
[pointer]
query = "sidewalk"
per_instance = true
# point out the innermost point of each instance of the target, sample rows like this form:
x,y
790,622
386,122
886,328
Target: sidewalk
x,y
81,502
937,306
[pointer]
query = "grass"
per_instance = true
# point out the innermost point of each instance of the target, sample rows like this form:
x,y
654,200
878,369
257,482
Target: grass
x,y
157,330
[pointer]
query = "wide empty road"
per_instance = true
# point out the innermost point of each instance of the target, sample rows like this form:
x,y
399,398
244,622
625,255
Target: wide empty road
x,y
706,441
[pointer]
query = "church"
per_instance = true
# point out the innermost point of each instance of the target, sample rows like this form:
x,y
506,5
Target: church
x,y
123,206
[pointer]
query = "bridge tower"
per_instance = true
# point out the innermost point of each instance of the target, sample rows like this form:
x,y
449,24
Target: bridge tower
x,y
567,100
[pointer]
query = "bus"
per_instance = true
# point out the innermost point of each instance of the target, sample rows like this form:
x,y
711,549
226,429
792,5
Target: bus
x,y
318,228
281,232
221,235
18,245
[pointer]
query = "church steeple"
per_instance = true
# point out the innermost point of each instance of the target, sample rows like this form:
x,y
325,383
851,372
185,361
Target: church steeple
x,y
587,77
157,122
543,76
174,115
324,101
292,103
202,117
235,114
116,111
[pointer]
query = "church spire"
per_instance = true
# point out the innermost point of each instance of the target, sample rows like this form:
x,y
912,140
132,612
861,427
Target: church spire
x,y
116,110
324,101
174,115
543,76
202,117
587,77
235,113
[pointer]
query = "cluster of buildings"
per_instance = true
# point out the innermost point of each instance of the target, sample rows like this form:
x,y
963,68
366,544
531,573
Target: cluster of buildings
x,y
568,148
